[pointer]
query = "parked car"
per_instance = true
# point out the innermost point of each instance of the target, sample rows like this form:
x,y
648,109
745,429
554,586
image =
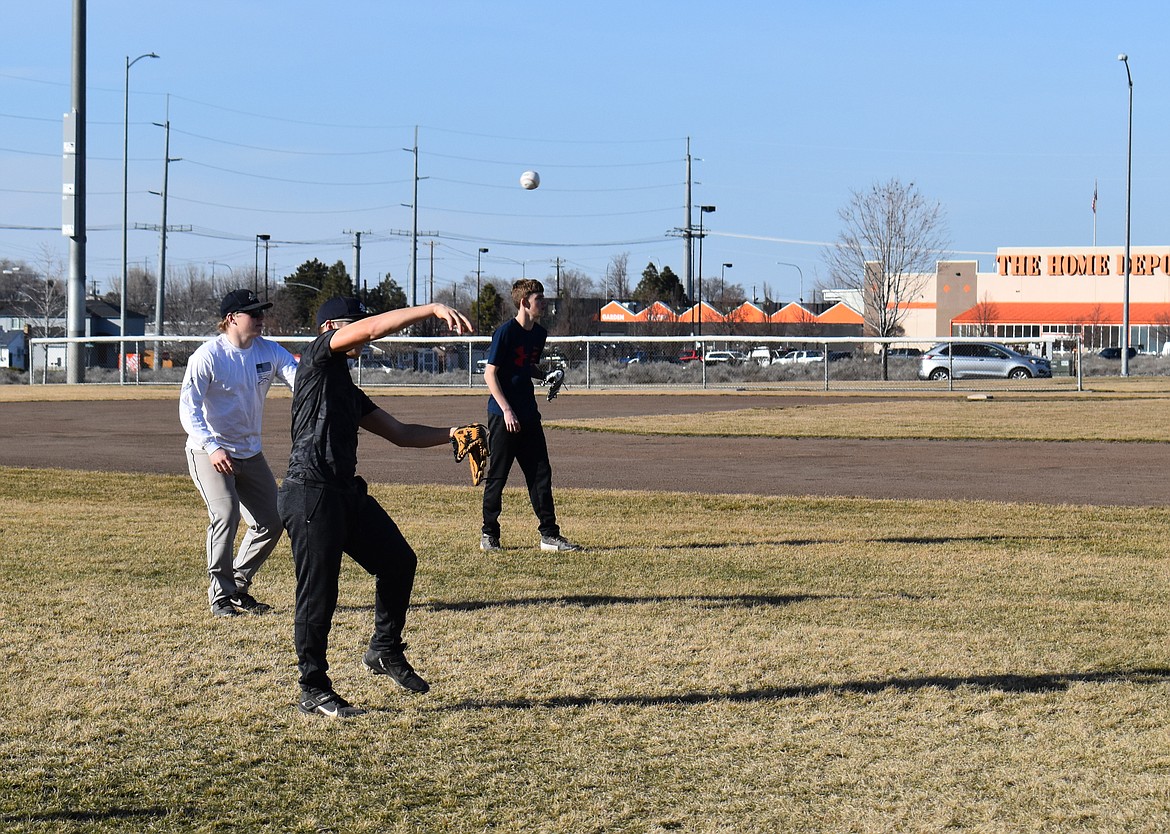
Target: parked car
x,y
689,356
725,357
801,357
904,353
635,358
1115,352
839,355
980,359
384,365
764,356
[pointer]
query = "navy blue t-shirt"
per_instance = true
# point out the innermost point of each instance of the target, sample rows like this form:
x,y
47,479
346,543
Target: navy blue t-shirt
x,y
326,409
515,352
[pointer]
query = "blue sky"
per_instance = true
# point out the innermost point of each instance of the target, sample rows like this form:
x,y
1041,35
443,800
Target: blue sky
x,y
291,120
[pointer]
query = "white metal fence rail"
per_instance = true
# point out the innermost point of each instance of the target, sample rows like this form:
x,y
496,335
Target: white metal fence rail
x,y
756,363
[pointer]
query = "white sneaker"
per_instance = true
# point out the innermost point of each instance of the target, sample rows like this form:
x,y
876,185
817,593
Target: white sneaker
x,y
557,544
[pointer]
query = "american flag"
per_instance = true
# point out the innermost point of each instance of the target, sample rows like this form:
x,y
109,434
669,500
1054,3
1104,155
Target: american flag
x,y
1094,196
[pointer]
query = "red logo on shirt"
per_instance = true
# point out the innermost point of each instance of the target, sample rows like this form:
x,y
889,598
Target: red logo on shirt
x,y
521,358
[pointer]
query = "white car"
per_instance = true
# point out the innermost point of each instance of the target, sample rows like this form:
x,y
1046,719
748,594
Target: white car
x,y
764,356
727,357
800,357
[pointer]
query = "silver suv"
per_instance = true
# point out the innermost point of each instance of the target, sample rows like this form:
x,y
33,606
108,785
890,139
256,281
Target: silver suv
x,y
980,359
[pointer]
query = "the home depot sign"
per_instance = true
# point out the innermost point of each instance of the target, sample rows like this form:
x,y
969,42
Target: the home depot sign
x,y
1059,264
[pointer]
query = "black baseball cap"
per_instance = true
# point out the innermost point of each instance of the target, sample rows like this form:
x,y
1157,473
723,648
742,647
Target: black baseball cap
x,y
341,308
242,301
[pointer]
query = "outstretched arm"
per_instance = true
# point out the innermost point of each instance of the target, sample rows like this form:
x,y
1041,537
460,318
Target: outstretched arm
x,y
363,331
410,435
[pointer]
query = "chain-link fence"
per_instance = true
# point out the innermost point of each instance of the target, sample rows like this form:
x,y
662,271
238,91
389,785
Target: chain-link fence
x,y
707,362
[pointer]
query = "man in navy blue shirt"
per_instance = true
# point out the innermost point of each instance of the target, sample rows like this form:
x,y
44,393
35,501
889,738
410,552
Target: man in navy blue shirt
x,y
515,431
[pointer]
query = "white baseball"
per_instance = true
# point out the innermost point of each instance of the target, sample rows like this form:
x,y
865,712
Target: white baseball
x,y
530,180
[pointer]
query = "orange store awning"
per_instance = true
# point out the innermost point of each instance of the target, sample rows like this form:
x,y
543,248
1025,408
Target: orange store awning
x,y
1063,312
841,313
792,313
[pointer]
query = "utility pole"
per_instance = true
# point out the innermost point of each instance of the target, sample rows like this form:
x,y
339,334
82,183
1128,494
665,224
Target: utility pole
x,y
414,225
688,246
414,229
431,293
160,285
73,204
357,256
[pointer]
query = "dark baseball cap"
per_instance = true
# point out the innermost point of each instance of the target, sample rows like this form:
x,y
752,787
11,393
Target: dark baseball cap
x,y
242,301
341,308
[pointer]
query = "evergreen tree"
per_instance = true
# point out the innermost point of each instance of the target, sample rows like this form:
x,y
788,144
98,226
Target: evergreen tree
x,y
386,296
298,300
662,286
487,310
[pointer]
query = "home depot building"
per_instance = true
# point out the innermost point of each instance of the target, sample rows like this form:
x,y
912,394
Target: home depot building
x,y
833,320
1048,293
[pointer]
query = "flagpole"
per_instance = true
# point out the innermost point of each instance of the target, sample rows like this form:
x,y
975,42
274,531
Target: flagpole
x,y
1094,214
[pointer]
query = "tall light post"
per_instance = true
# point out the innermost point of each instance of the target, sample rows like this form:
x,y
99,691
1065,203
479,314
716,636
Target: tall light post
x,y
722,285
699,284
798,270
256,263
1128,183
265,238
214,264
126,209
478,263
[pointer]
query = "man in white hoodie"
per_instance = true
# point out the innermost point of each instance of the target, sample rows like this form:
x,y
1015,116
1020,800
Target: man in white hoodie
x,y
221,407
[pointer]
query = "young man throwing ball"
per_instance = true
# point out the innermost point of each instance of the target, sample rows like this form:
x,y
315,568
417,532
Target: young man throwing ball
x,y
326,509
514,429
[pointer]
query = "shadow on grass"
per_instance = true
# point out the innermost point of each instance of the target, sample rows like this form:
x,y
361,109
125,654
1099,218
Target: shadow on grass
x,y
128,814
1021,684
598,600
986,539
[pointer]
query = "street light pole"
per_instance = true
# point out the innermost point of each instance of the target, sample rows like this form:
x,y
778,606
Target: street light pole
x,y
126,209
256,265
478,262
1128,183
699,284
214,264
265,238
797,268
722,286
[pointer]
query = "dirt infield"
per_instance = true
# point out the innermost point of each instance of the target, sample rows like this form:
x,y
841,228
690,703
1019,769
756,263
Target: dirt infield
x,y
145,436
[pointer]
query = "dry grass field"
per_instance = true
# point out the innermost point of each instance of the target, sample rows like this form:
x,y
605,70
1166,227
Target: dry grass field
x,y
709,664
1142,418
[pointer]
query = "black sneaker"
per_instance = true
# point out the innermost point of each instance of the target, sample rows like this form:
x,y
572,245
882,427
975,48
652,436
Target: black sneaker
x,y
327,703
395,666
249,603
224,608
489,543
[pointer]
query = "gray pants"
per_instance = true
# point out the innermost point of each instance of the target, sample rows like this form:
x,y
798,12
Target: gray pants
x,y
251,494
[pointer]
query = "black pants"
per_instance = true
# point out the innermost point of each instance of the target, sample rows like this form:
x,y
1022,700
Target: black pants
x,y
527,447
322,523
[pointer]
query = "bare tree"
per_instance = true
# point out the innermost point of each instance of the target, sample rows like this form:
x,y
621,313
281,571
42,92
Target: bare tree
x,y
193,301
891,244
986,314
43,295
618,276
574,314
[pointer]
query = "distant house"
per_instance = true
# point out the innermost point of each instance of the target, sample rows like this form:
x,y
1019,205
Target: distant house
x,y
13,350
101,319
